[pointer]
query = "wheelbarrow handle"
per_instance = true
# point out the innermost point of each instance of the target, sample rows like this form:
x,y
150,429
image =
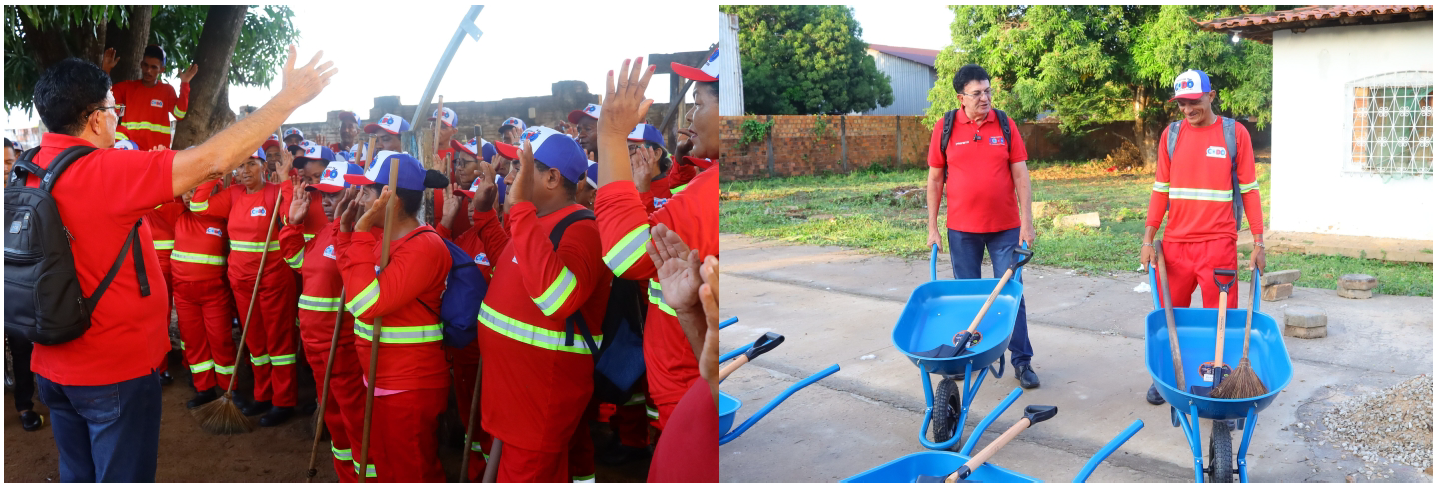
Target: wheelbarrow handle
x,y
777,401
990,419
934,257
1108,449
726,323
1233,274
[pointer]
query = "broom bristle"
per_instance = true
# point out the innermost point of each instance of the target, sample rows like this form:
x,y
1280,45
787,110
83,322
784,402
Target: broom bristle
x,y
222,416
1242,383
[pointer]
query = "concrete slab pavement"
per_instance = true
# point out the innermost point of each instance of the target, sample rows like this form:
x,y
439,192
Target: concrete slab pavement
x,y
838,306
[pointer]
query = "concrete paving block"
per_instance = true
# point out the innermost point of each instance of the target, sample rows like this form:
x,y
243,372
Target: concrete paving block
x,y
1090,219
1280,277
1306,333
1305,317
1278,292
1355,293
1362,282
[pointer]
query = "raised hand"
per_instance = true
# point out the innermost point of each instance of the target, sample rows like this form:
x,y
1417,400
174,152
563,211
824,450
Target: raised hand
x,y
626,98
299,207
522,185
285,162
375,211
110,60
189,73
487,191
450,206
684,146
644,168
302,84
677,268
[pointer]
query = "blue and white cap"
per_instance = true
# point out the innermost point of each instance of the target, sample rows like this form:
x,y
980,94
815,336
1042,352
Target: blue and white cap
x,y
333,177
259,154
391,123
489,151
344,155
472,147
450,118
592,111
647,132
1191,84
315,151
553,149
410,172
293,132
592,173
125,144
514,122
708,72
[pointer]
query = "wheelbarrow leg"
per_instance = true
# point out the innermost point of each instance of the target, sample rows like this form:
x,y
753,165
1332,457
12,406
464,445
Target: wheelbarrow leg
x,y
1190,424
1249,423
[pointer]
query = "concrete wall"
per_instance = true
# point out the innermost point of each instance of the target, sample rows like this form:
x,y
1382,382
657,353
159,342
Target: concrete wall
x,y
1310,142
910,84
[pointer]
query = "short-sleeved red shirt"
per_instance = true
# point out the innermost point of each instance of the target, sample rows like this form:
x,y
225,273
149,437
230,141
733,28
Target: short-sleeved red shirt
x,y
979,189
100,197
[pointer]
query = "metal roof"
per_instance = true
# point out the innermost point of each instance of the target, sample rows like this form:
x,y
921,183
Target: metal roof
x,y
923,56
1260,27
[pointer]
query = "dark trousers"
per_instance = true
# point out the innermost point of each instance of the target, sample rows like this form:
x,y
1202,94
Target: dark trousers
x,y
106,433
20,350
966,251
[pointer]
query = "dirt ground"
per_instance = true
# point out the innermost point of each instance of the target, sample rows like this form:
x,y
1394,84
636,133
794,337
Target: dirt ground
x,y
274,454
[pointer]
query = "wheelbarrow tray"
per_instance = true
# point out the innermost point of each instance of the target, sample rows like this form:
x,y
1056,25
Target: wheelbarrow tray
x,y
935,463
937,310
1197,329
726,412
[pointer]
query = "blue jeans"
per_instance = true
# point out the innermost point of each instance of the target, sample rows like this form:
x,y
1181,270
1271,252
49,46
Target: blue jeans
x,y
106,433
966,251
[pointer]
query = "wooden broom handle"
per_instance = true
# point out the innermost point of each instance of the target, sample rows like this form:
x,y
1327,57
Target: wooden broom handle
x,y
378,321
1169,315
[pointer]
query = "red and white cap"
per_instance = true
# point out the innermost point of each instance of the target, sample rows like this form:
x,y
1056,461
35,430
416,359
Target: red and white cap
x,y
472,191
450,117
472,147
272,141
592,111
708,72
349,116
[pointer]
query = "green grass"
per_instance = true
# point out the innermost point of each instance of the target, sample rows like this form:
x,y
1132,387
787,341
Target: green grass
x,y
866,210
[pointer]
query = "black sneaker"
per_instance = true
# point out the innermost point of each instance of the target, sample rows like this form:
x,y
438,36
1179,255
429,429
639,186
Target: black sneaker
x,y
255,408
31,421
276,416
1153,396
165,378
203,397
1027,377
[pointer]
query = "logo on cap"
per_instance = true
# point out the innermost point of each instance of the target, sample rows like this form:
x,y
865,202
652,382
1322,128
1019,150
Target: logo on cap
x,y
531,134
590,108
1186,83
713,58
387,120
330,173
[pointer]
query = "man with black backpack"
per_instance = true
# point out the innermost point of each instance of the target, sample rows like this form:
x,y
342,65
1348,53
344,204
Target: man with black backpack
x,y
96,356
977,161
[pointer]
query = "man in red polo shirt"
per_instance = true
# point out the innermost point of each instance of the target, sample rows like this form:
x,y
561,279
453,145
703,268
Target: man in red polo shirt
x,y
984,176
102,388
1198,191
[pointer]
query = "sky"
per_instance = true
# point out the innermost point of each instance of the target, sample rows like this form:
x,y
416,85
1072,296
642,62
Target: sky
x,y
916,25
521,52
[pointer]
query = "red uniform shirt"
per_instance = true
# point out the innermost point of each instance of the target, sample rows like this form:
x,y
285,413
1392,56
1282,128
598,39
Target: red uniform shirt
x,y
247,217
147,110
100,197
317,260
658,195
161,225
681,174
1196,186
536,387
625,228
201,246
979,187
411,354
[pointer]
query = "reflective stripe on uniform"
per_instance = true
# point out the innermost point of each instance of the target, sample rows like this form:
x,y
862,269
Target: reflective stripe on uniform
x,y
198,206
280,360
400,334
164,245
557,293
679,189
148,126
259,360
224,370
1248,187
637,399
533,335
181,256
586,478
364,300
1161,187
297,261
652,413
243,246
308,237
372,472
1201,194
202,366
313,303
654,296
628,250
179,113
342,454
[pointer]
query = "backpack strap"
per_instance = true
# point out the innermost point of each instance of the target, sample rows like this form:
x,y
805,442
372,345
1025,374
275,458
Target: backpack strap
x,y
945,127
1004,128
410,237
1171,136
1230,145
24,166
561,227
132,241
576,324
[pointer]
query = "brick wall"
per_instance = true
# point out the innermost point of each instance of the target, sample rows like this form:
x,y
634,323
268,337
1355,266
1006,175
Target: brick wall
x,y
798,150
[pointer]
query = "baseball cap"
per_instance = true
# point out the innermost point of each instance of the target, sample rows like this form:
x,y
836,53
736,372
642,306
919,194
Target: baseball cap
x,y
411,174
123,144
333,177
348,115
344,155
489,151
471,147
472,191
513,122
260,155
553,149
391,123
592,111
592,173
1190,85
449,117
272,141
647,132
313,151
708,72
293,132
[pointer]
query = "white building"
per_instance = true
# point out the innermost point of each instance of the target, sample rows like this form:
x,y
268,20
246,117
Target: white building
x,y
912,74
1352,123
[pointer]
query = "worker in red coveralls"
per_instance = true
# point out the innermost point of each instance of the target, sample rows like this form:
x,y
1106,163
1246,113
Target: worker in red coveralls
x,y
1198,191
320,303
247,208
466,154
411,387
203,300
147,102
538,363
310,164
625,223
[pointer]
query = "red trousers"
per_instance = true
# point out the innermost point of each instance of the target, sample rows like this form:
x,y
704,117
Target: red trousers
x,y
343,412
525,465
271,339
581,452
630,422
464,380
404,436
206,313
169,289
1192,263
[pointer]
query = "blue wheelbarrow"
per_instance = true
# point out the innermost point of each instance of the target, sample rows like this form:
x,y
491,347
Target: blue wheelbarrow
x,y
728,405
932,331
937,466
1197,329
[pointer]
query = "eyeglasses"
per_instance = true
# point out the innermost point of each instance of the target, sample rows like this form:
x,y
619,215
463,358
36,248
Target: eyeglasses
x,y
118,109
979,94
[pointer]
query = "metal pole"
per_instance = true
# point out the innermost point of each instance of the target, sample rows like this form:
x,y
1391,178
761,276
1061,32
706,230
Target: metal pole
x,y
464,27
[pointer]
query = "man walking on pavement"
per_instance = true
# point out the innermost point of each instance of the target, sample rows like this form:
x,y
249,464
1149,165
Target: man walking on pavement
x,y
1203,190
146,102
983,175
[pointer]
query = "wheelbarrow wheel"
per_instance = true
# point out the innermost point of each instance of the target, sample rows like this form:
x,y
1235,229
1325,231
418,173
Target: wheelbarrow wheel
x,y
1221,453
947,410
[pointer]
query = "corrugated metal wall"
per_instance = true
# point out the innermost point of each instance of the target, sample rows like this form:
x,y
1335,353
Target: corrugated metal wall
x,y
732,102
910,83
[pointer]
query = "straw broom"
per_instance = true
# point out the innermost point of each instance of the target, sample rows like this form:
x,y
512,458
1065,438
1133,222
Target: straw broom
x,y
1242,383
377,325
323,395
222,416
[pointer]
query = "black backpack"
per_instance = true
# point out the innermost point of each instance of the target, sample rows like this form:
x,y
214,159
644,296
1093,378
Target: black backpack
x,y
43,298
949,120
619,359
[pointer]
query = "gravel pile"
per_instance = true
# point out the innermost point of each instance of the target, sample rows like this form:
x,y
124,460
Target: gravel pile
x,y
1393,425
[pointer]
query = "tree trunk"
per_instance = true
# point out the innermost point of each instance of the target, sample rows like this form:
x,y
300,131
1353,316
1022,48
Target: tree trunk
x,y
50,47
1148,145
209,91
129,43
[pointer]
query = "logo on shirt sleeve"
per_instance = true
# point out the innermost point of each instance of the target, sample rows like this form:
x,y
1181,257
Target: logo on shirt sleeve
x,y
997,141
1216,152
328,252
482,259
258,212
215,231
659,202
